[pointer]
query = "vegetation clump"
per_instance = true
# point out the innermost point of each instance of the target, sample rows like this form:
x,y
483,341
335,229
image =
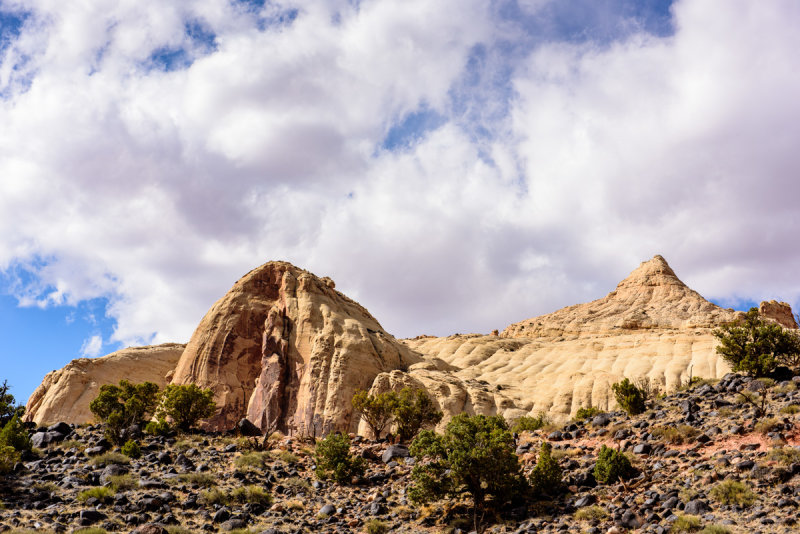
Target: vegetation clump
x,y
686,523
334,460
8,409
376,410
15,435
611,466
629,396
120,406
733,492
756,346
545,479
586,413
530,423
475,457
186,404
413,411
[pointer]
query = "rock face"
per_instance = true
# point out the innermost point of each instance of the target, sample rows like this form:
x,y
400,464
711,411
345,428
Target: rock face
x,y
780,312
288,350
65,394
652,325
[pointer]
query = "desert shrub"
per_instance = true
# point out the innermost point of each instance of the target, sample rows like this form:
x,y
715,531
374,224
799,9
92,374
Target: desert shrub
x,y
785,388
91,530
158,428
297,485
629,397
252,495
8,459
295,505
375,410
687,494
545,478
686,523
123,482
413,411
530,423
376,526
475,456
131,449
101,493
120,406
591,513
733,492
214,496
756,346
715,529
14,434
585,413
768,425
251,460
784,455
288,457
334,460
71,444
187,404
611,466
791,409
108,458
676,435
8,409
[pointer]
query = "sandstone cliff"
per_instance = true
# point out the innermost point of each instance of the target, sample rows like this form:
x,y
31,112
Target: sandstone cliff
x,y
286,349
652,325
65,394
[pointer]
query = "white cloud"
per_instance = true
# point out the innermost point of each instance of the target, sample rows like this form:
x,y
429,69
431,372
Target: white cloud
x,y
92,346
553,174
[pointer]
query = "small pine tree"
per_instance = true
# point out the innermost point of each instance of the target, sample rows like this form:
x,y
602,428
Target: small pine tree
x,y
7,407
120,406
375,410
15,435
629,397
334,460
186,404
414,410
546,475
611,466
8,459
131,449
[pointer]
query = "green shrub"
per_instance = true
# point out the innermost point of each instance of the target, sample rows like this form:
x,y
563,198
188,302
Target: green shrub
x,y
676,435
611,466
545,478
123,482
585,413
791,409
120,406
288,457
475,456
14,434
686,523
629,397
376,526
8,459
251,460
784,455
716,529
756,346
131,449
8,410
214,496
334,460
375,410
733,492
591,513
252,495
187,404
158,428
413,411
108,458
530,423
102,494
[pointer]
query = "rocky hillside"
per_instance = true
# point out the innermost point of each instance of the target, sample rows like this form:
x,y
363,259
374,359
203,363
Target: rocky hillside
x,y
287,350
691,450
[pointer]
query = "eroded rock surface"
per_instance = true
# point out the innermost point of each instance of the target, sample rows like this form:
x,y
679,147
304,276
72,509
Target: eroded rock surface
x,y
65,394
288,350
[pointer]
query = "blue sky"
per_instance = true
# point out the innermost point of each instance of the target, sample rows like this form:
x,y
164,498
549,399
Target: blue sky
x,y
455,166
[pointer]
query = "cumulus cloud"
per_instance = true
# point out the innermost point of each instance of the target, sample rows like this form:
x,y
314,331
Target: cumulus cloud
x,y
92,346
152,154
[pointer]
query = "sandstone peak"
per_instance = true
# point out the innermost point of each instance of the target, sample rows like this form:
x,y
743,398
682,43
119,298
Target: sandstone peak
x,y
654,272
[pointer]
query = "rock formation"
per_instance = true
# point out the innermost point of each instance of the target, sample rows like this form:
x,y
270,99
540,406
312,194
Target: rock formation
x,y
286,349
65,394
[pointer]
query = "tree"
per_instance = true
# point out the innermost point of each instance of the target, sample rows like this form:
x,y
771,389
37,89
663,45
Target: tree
x,y
611,466
14,434
187,404
629,397
334,460
413,411
475,456
7,408
546,476
375,410
122,405
756,346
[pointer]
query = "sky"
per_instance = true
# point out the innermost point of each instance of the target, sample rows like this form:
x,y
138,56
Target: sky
x,y
455,166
